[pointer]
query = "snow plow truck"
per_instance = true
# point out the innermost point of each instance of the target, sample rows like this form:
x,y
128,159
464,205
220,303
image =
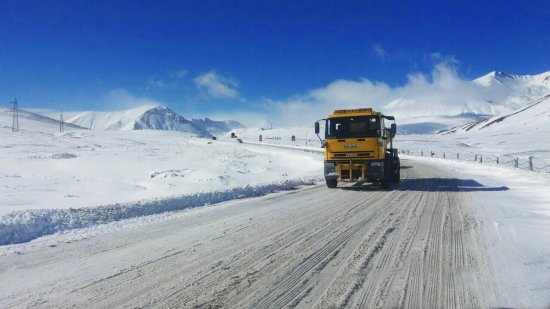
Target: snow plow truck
x,y
359,147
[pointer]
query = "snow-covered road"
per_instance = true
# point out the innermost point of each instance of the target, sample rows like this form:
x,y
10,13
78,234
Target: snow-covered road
x,y
419,245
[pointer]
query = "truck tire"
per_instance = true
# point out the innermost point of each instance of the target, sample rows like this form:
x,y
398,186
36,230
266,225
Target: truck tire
x,y
397,176
332,183
386,182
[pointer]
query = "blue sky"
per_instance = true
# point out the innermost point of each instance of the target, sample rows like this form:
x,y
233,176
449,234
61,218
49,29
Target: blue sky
x,y
223,57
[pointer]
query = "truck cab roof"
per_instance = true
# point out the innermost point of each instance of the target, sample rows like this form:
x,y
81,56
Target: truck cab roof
x,y
353,112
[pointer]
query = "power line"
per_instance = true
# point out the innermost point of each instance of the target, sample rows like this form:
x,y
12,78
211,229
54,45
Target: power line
x,y
15,125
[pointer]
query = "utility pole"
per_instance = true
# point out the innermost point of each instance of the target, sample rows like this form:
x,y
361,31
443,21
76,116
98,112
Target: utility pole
x,y
61,122
15,125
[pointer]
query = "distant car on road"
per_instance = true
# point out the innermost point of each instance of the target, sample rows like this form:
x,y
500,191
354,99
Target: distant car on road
x,y
239,140
213,138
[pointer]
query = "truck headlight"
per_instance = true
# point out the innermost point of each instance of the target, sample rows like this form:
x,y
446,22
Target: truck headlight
x,y
330,165
377,164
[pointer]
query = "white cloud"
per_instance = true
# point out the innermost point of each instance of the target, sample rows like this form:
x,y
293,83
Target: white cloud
x,y
181,73
121,99
442,92
178,74
216,85
155,83
54,114
379,51
248,118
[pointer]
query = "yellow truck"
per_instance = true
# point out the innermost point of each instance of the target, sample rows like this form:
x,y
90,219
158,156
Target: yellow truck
x,y
359,148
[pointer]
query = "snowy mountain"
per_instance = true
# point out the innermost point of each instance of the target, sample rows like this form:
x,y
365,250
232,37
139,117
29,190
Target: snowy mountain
x,y
522,88
454,103
29,121
536,114
217,127
151,118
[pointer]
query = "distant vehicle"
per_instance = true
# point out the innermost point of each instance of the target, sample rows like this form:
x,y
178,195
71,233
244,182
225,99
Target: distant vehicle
x,y
239,140
233,135
214,138
359,147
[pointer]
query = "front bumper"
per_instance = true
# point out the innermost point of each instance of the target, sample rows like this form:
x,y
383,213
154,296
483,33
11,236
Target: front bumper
x,y
355,170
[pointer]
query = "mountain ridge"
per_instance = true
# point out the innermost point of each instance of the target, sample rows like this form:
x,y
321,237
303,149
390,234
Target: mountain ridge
x,y
151,118
535,113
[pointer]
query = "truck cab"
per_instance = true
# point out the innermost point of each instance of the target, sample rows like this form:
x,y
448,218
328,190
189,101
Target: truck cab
x,y
359,148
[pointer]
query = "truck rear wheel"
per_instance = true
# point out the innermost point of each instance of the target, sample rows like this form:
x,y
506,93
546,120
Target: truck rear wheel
x,y
386,182
397,176
332,183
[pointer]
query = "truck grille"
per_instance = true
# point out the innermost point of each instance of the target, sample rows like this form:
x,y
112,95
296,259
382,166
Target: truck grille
x,y
367,154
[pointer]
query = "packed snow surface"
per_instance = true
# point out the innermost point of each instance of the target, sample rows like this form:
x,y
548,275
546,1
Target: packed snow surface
x,y
448,236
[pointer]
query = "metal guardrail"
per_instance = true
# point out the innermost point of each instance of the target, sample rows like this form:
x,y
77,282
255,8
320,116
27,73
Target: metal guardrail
x,y
508,161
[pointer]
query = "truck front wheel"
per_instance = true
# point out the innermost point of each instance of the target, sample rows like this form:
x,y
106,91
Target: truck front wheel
x,y
332,183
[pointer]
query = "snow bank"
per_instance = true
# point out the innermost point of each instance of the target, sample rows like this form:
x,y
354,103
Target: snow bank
x,y
24,226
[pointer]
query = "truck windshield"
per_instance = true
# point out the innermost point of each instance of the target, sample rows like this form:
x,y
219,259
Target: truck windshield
x,y
353,127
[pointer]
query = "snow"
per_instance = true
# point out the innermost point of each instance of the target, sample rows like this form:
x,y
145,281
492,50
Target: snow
x,y
519,135
151,118
84,181
117,120
23,226
280,136
521,88
45,169
515,222
32,121
534,114
496,93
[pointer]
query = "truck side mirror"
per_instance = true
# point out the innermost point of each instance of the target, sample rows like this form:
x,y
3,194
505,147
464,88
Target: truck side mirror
x,y
393,130
317,127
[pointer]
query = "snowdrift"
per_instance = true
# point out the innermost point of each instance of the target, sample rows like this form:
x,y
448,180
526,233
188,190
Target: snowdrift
x,y
24,226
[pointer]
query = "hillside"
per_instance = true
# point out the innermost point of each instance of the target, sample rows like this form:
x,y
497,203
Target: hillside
x,y
494,94
217,127
29,121
535,114
151,118
521,88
